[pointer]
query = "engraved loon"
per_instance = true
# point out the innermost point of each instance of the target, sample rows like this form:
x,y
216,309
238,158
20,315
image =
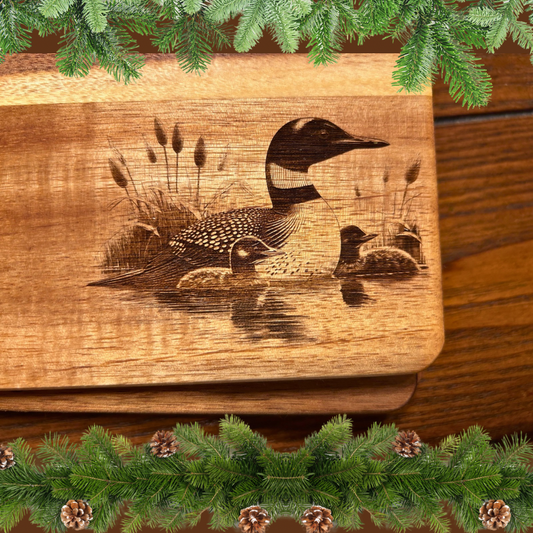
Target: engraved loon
x,y
300,222
244,255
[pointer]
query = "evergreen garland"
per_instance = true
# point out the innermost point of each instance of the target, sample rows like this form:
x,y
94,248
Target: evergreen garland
x,y
438,36
226,475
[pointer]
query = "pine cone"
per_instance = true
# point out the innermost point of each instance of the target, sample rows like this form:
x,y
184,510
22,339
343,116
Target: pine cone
x,y
253,520
494,514
317,519
7,457
164,444
76,514
407,444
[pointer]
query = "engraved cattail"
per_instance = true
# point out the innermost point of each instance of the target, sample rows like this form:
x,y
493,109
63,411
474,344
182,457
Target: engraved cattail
x,y
411,176
200,158
124,163
152,157
413,172
162,139
160,133
118,175
177,146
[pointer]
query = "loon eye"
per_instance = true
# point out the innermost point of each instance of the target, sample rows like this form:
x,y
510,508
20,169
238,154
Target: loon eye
x,y
242,253
323,133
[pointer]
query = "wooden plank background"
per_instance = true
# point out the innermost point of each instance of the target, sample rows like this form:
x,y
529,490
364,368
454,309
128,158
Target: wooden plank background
x,y
485,373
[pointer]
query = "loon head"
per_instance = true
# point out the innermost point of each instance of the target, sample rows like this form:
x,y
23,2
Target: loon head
x,y
247,252
352,238
306,141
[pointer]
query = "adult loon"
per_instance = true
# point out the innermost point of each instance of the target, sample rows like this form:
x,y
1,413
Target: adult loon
x,y
300,222
377,261
244,255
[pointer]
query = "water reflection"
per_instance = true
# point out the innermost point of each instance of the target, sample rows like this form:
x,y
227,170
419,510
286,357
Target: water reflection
x,y
353,293
260,313
270,317
303,312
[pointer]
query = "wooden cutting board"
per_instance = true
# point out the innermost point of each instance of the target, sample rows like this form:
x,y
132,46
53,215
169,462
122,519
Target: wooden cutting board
x,y
97,180
325,396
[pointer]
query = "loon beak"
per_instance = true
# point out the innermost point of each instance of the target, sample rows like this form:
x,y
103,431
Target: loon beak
x,y
361,142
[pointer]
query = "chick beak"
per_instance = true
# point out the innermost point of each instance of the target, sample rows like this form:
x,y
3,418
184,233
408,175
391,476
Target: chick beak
x,y
361,142
368,237
267,253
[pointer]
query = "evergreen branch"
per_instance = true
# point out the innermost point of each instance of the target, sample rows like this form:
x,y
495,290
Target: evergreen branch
x,y
437,36
53,8
223,475
56,449
514,449
284,25
95,13
251,24
17,20
324,31
192,6
239,436
192,39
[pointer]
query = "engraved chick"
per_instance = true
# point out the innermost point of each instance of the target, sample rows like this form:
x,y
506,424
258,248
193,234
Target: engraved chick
x,y
245,253
377,261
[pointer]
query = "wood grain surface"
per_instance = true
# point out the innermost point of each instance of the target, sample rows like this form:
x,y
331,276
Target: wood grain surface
x,y
68,222
485,373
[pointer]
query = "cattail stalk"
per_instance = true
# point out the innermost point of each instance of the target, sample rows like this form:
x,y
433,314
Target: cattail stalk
x,y
200,158
162,139
410,177
177,146
385,181
132,182
222,162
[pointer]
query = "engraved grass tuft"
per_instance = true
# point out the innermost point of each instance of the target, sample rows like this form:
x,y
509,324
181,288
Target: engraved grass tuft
x,y
157,213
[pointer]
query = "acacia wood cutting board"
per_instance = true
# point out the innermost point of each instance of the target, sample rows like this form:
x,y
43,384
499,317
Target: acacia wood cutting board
x,y
100,181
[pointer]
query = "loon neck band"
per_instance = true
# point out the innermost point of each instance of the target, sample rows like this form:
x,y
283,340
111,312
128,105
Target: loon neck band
x,y
287,187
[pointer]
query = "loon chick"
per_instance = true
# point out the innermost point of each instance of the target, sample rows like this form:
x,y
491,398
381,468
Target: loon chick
x,y
245,253
377,261
300,221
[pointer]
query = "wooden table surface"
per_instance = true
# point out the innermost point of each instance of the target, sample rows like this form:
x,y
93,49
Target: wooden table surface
x,y
485,373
